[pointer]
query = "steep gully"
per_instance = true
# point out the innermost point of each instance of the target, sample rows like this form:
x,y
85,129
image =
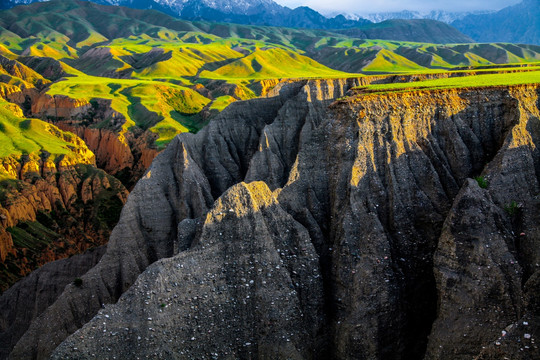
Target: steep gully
x,y
367,238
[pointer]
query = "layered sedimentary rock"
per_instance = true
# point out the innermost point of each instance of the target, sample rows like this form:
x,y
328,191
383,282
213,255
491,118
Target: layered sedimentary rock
x,y
126,156
54,215
290,229
51,107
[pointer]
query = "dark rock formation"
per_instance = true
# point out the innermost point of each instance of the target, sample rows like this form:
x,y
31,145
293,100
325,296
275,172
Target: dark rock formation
x,y
477,276
28,298
287,230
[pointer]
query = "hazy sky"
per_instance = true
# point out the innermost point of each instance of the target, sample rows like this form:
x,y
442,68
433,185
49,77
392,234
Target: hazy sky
x,y
367,6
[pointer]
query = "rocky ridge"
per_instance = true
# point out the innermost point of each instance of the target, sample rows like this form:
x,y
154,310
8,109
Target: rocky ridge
x,y
368,237
37,291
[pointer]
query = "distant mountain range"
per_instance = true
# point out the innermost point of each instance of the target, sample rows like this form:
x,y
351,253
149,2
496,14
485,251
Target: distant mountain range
x,y
516,24
419,30
439,15
267,12
251,12
519,23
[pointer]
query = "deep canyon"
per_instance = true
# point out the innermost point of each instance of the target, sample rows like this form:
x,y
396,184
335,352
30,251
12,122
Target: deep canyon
x,y
322,222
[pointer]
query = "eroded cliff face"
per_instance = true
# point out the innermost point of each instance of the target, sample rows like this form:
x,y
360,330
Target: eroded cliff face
x,y
54,203
55,215
290,229
125,155
46,106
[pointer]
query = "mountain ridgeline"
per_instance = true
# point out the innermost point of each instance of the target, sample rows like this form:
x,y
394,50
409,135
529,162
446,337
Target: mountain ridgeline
x,y
252,12
517,24
267,12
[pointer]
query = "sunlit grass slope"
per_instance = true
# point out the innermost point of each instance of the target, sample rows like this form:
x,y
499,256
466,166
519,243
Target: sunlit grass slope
x,y
20,136
479,80
271,64
144,103
388,61
397,56
183,60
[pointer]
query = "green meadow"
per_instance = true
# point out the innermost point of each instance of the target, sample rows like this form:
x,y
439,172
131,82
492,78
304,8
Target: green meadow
x,y
471,81
20,136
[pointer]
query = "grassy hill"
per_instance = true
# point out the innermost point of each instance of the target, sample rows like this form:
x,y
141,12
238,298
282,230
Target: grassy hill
x,y
32,138
36,139
20,136
461,79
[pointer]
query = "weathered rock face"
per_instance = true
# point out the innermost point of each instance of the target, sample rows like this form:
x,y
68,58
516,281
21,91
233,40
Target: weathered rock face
x,y
28,298
478,276
263,276
44,177
55,215
125,156
58,106
287,230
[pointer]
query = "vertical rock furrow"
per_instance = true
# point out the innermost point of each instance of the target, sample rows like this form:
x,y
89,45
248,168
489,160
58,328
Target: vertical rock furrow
x,y
513,178
478,279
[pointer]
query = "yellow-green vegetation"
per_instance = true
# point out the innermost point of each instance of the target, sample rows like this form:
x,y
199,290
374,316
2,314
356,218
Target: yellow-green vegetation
x,y
222,102
478,80
388,61
20,136
382,56
182,60
272,63
144,103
